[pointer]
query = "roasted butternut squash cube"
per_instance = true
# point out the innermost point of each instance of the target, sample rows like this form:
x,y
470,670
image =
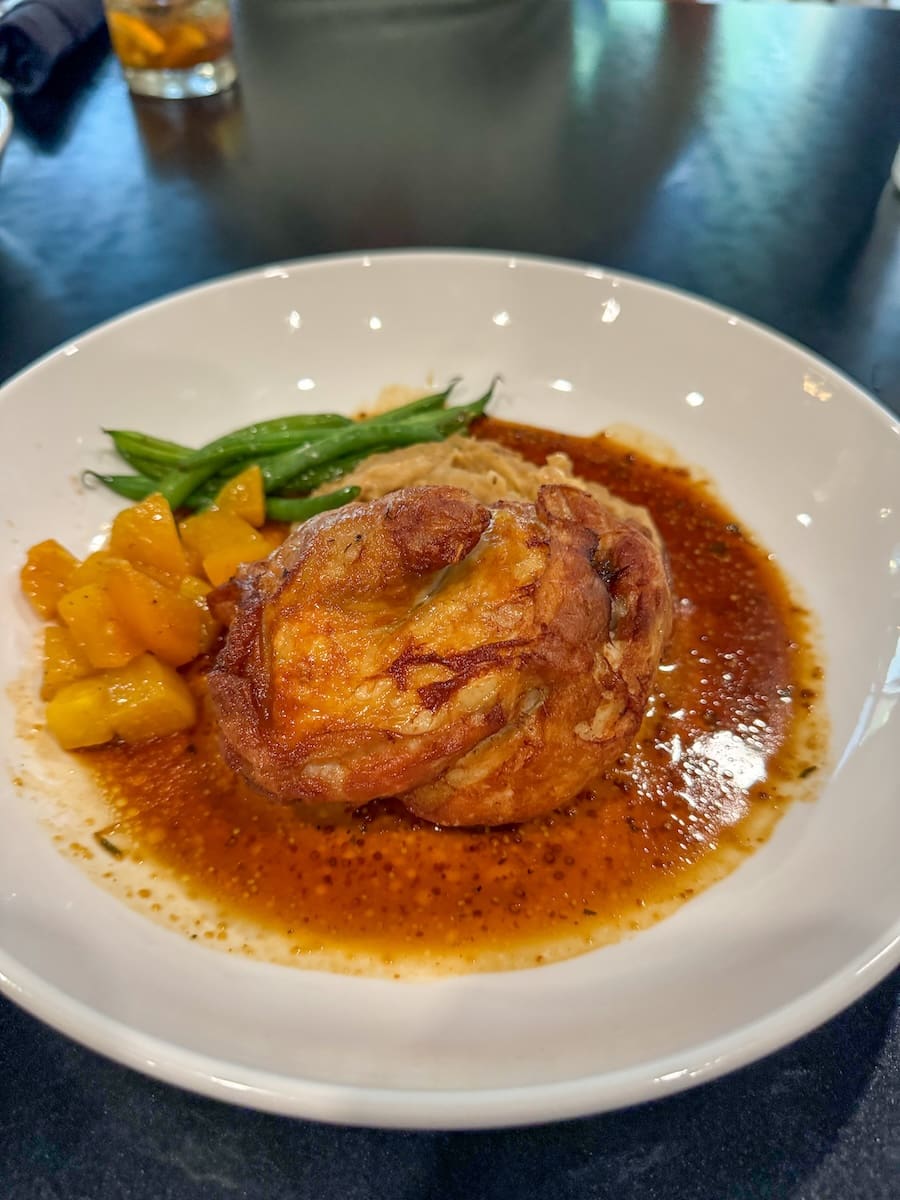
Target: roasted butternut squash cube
x,y
160,619
224,541
96,568
222,564
143,700
46,574
149,699
196,590
274,534
63,661
194,560
146,535
244,496
213,529
80,714
92,569
92,617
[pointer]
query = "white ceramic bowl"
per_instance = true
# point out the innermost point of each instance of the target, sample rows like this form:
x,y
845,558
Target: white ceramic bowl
x,y
799,931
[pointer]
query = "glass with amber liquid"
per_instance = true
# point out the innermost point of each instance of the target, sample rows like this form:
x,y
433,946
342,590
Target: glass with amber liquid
x,y
173,48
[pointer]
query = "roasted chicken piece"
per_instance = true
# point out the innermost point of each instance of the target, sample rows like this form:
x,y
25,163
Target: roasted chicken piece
x,y
483,663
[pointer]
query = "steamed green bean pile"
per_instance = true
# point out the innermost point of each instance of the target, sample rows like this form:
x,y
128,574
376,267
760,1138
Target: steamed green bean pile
x,y
294,454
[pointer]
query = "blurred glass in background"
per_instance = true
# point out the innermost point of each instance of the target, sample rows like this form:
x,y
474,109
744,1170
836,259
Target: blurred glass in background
x,y
173,48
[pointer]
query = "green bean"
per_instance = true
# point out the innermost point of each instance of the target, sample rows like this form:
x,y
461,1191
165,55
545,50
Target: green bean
x,y
414,408
313,477
299,421
242,445
296,489
297,453
136,487
152,449
273,437
485,398
144,466
177,485
294,509
266,437
204,496
215,484
363,437
132,487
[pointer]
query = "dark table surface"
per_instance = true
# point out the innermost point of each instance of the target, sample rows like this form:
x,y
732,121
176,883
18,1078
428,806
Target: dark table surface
x,y
740,152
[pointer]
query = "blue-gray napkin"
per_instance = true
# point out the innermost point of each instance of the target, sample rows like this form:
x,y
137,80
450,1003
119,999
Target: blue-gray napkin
x,y
36,34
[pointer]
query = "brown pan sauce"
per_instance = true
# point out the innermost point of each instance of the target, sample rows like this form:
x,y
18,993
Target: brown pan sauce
x,y
734,731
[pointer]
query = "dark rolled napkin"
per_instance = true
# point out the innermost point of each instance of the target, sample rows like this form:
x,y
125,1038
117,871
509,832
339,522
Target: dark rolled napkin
x,y
36,34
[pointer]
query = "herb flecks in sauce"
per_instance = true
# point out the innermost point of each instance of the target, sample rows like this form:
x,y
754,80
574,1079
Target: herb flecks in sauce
x,y
731,730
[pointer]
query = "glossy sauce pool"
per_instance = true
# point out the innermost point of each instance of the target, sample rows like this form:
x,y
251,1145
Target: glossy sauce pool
x,y
734,731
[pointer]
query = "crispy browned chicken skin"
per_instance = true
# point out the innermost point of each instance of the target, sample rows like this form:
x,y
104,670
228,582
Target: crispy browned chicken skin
x,y
481,663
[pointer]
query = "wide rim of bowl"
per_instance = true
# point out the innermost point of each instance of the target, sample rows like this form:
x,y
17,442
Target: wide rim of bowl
x,y
453,254
488,1108
454,1108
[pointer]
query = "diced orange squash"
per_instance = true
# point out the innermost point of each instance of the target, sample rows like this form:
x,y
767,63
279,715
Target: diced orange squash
x,y
63,661
143,700
222,564
80,714
92,569
92,618
146,535
224,541
211,530
149,699
244,496
196,590
46,574
96,568
194,560
160,620
274,535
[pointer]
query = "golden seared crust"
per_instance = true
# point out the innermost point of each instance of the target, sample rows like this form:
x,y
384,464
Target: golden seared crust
x,y
483,663
604,614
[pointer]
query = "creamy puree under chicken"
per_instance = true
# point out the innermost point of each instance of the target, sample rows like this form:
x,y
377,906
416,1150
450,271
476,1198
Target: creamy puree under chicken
x,y
734,731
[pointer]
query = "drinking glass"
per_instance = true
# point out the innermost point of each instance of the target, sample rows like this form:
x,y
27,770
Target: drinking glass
x,y
173,48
